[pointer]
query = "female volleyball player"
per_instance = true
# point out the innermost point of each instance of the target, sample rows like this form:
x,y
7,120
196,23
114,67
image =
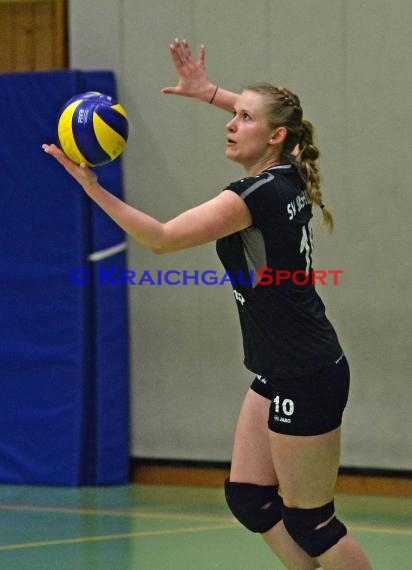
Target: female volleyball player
x,y
287,443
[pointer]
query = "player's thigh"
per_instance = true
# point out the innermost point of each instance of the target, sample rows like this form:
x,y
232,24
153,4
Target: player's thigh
x,y
304,422
306,467
252,459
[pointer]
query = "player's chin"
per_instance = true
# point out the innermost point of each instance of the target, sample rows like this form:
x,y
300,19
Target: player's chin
x,y
231,154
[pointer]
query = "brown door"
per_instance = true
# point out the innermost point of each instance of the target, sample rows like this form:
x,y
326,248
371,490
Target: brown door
x,y
32,35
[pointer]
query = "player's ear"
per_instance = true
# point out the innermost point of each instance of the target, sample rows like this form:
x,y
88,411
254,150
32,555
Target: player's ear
x,y
278,135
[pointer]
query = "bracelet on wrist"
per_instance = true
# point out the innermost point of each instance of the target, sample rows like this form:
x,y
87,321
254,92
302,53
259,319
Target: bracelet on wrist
x,y
214,94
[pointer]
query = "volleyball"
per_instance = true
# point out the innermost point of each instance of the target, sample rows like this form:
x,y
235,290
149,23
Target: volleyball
x,y
92,128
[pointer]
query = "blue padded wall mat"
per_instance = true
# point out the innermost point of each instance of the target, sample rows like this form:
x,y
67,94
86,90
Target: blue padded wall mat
x,y
64,348
108,244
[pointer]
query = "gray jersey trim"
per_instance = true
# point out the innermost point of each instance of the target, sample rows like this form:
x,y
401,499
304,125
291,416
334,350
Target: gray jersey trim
x,y
254,250
255,186
252,238
259,183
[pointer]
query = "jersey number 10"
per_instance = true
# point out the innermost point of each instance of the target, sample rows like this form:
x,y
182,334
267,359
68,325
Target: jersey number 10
x,y
288,407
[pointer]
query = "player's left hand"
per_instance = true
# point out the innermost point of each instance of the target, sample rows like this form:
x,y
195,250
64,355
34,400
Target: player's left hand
x,y
80,172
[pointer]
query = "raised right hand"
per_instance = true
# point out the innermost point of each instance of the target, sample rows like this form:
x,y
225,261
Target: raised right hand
x,y
193,80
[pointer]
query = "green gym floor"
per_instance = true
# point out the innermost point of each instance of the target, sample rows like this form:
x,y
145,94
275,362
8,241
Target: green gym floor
x,y
145,527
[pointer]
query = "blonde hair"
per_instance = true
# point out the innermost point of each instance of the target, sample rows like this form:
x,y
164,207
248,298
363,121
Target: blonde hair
x,y
284,109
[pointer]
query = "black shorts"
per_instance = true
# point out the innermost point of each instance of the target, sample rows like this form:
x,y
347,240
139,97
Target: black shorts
x,y
306,405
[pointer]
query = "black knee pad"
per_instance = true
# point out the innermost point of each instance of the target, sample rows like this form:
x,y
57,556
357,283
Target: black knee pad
x,y
248,504
301,525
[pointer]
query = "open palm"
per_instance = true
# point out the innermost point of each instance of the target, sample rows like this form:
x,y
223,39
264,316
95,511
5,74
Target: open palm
x,y
193,80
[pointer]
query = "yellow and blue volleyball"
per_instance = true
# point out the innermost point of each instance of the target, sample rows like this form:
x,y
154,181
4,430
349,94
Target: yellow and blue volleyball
x,y
92,128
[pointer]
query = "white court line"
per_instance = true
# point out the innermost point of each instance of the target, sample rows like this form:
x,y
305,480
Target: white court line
x,y
116,512
124,536
201,517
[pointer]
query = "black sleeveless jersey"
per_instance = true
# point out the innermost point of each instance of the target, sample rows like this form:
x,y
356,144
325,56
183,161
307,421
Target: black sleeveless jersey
x,y
284,327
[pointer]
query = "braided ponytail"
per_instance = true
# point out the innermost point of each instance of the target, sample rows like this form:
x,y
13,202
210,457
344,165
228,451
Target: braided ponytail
x,y
307,163
284,109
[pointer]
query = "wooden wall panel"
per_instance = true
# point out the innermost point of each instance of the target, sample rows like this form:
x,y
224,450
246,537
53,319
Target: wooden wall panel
x,y
6,38
32,35
354,484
